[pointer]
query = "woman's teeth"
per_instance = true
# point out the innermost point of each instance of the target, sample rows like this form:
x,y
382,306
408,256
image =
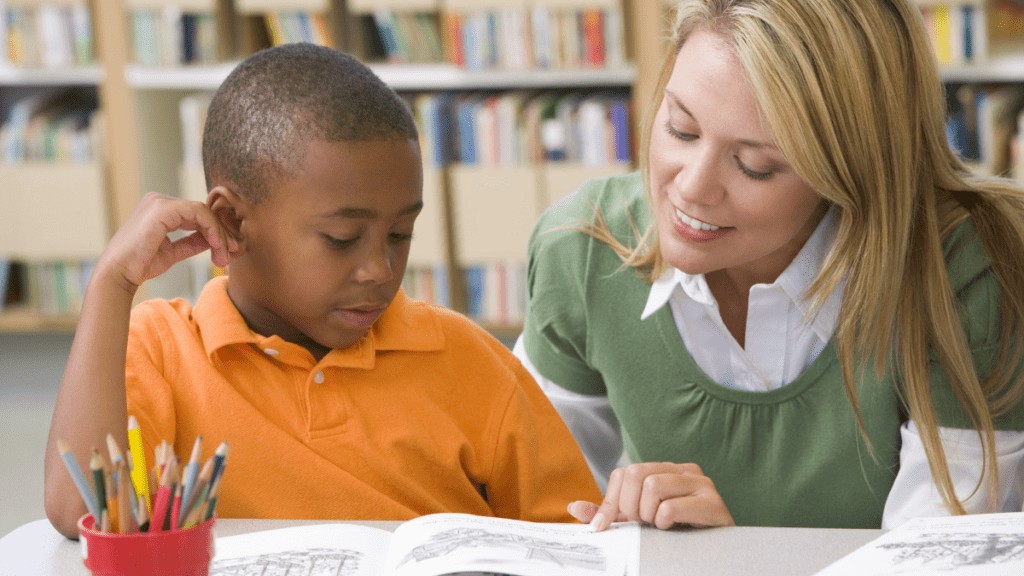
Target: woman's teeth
x,y
694,223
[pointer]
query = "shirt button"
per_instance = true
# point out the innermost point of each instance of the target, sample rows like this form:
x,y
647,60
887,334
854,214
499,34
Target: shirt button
x,y
270,352
318,378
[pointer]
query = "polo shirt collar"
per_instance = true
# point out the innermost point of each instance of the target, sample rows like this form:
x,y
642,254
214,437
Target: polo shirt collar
x,y
405,325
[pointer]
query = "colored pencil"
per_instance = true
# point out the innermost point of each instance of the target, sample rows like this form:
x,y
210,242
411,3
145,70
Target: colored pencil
x,y
78,478
139,472
192,470
124,509
211,501
218,462
141,517
113,504
201,491
114,450
98,469
176,507
162,502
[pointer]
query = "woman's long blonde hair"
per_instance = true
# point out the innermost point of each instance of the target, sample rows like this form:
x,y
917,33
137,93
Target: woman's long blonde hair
x,y
851,91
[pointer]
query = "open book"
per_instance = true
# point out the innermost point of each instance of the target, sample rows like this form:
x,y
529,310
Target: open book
x,y
433,545
982,544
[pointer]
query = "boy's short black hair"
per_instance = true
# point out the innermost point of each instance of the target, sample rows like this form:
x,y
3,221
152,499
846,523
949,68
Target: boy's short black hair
x,y
280,99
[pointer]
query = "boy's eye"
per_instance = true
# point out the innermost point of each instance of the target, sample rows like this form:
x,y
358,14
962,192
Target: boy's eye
x,y
338,242
684,136
396,237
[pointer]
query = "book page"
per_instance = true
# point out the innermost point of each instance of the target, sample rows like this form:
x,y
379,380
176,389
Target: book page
x,y
452,543
314,550
989,544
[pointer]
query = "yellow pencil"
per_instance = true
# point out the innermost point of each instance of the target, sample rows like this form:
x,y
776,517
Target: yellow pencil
x,y
139,472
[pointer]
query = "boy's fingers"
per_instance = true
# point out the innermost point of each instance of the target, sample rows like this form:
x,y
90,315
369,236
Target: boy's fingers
x,y
582,510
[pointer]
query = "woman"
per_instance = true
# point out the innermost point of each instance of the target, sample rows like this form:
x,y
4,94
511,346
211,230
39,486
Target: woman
x,y
805,311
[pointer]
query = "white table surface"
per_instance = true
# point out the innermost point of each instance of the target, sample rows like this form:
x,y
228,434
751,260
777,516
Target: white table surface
x,y
36,549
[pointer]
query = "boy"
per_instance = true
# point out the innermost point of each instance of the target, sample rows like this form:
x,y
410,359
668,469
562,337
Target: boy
x,y
340,397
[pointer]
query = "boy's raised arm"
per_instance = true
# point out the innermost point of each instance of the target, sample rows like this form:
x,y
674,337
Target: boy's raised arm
x,y
91,401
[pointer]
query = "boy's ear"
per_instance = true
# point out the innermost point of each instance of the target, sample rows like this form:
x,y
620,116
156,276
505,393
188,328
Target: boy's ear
x,y
229,209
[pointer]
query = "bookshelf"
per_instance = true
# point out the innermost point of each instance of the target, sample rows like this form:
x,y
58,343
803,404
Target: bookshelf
x,y
143,148
53,205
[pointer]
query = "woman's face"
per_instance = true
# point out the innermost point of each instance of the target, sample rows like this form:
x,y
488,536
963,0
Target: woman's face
x,y
725,198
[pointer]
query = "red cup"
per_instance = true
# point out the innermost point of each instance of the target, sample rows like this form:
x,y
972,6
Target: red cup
x,y
165,553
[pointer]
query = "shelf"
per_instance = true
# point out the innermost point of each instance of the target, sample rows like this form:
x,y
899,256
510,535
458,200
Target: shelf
x,y
400,77
74,76
21,320
1008,68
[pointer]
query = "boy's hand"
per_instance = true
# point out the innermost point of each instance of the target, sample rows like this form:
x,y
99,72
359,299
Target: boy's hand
x,y
141,249
660,493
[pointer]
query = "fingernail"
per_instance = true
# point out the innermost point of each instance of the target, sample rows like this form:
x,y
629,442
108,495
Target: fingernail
x,y
597,520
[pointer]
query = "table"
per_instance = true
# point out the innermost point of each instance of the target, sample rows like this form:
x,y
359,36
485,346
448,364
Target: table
x,y
36,549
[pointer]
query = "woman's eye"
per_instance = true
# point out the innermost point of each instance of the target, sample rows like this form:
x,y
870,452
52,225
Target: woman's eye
x,y
684,136
753,174
338,242
401,237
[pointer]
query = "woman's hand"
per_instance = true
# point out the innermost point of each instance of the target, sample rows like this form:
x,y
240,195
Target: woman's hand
x,y
141,248
660,493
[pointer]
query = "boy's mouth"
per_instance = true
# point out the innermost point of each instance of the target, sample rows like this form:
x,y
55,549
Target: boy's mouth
x,y
361,316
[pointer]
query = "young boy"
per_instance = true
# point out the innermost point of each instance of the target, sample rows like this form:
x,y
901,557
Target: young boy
x,y
340,397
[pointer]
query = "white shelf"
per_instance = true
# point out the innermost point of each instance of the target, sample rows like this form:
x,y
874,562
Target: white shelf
x,y
399,77
73,76
1009,68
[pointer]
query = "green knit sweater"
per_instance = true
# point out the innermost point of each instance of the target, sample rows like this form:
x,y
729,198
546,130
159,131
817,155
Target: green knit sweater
x,y
792,456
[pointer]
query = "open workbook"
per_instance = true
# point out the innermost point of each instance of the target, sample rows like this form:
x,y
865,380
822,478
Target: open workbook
x,y
981,544
433,545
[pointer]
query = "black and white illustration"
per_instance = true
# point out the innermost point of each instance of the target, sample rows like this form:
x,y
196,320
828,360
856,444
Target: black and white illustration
x,y
950,550
311,562
558,554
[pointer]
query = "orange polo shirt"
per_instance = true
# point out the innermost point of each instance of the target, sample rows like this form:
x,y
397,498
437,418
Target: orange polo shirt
x,y
428,413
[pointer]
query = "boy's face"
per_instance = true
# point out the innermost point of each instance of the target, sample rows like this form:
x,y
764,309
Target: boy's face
x,y
324,252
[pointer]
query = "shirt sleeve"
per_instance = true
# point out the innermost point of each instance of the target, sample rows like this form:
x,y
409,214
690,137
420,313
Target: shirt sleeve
x,y
556,325
537,467
914,493
147,389
590,419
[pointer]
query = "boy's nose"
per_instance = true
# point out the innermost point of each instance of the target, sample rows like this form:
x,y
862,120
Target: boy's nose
x,y
376,268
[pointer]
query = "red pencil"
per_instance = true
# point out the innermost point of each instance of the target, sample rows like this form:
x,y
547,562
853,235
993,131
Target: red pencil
x,y
176,508
163,499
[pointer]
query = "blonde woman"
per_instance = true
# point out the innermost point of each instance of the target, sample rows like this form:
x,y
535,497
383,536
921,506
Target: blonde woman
x,y
805,311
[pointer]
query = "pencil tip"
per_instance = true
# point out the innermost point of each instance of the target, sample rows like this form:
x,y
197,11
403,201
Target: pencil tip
x,y
62,446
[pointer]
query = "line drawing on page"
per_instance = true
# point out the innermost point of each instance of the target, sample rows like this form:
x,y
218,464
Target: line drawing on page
x,y
958,549
561,554
311,562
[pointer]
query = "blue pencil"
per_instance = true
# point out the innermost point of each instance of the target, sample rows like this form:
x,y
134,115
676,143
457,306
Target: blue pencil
x,y
79,478
191,473
218,462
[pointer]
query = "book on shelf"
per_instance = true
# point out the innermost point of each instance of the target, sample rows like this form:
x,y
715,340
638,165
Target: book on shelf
x,y
5,274
434,545
983,126
541,36
504,169
47,35
971,31
296,26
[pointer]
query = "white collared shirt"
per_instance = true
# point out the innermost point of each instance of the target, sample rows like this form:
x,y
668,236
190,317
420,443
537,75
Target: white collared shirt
x,y
781,341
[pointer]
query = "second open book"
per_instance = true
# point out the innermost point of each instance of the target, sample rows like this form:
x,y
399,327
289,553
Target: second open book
x,y
433,545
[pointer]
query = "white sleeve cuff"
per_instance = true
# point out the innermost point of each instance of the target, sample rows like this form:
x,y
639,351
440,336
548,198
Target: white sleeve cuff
x,y
914,493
